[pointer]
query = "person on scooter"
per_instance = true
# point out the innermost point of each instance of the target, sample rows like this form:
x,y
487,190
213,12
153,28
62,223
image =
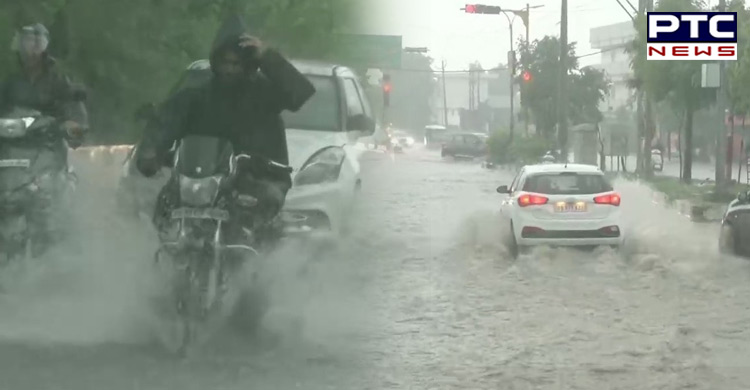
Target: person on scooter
x,y
251,85
39,84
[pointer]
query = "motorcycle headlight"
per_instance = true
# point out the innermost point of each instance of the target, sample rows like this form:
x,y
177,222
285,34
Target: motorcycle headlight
x,y
323,167
199,192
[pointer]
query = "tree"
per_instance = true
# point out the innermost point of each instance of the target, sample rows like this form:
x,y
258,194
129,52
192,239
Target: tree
x,y
587,87
131,52
675,81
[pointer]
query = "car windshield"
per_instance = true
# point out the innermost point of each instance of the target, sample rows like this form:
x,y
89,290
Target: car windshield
x,y
321,112
567,183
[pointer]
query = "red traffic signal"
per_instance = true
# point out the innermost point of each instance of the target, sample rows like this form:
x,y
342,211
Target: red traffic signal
x,y
526,76
482,9
387,87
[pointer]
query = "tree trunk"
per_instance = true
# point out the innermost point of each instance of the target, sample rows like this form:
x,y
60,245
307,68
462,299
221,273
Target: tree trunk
x,y
687,168
641,131
650,132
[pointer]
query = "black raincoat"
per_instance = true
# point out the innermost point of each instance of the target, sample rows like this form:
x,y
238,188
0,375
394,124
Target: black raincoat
x,y
52,94
249,116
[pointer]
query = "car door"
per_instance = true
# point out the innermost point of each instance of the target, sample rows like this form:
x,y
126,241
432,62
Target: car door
x,y
474,145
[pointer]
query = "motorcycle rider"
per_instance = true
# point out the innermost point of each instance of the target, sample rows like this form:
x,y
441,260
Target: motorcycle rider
x,y
41,85
250,87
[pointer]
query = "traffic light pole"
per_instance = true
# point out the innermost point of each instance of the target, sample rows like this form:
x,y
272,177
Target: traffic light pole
x,y
494,10
526,108
562,102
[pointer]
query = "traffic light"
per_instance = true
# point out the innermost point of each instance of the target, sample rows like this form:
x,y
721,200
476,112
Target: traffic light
x,y
387,90
526,76
482,9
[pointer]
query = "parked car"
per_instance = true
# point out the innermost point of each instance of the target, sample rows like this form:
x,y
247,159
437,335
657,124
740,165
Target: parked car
x,y
466,145
321,138
734,237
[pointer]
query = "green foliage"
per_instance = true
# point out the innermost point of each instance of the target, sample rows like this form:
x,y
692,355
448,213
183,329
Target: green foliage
x,y
586,87
523,150
677,82
131,52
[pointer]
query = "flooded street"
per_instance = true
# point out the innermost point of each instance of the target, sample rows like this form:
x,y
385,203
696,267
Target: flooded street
x,y
422,296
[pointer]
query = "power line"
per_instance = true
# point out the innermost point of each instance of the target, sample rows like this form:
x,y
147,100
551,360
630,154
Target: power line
x,y
495,69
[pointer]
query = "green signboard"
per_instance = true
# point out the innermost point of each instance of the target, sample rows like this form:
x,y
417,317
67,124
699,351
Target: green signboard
x,y
370,51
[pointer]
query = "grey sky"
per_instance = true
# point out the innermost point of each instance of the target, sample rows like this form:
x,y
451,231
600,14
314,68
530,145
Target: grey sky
x,y
463,38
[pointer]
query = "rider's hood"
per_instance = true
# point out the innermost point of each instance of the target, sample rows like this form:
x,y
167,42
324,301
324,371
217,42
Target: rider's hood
x,y
228,34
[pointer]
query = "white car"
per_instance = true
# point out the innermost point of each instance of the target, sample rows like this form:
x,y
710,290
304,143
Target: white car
x,y
321,139
402,138
561,205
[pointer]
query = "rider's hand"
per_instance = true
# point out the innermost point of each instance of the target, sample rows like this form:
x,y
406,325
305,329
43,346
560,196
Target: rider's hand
x,y
248,41
73,129
147,162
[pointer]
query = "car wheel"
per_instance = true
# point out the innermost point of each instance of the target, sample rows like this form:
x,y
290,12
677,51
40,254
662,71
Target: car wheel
x,y
727,244
512,246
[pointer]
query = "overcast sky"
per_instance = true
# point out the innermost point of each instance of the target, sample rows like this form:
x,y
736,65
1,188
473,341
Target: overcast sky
x,y
462,38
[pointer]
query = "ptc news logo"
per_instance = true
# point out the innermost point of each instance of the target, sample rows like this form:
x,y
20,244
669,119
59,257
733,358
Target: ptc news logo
x,y
701,36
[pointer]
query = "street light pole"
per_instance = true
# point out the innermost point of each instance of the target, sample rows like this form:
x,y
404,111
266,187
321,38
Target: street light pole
x,y
511,69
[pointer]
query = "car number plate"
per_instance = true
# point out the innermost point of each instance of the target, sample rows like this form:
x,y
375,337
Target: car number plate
x,y
15,163
572,207
209,213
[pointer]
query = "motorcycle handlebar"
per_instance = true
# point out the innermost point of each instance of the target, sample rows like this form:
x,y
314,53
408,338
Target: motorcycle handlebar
x,y
270,164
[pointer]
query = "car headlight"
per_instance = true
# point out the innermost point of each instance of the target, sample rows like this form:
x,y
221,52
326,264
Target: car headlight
x,y
322,167
409,141
199,192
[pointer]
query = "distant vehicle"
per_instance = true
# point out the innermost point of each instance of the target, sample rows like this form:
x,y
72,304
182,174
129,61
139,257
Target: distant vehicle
x,y
734,237
561,205
466,145
657,161
401,139
435,135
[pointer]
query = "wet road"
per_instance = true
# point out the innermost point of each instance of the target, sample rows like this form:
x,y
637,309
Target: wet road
x,y
421,297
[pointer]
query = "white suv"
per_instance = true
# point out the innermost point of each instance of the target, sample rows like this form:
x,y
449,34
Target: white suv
x,y
561,205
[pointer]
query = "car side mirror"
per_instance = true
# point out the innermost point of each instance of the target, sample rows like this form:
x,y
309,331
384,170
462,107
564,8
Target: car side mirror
x,y
503,190
361,122
145,112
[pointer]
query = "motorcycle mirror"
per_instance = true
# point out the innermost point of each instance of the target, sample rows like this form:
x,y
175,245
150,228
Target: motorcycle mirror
x,y
145,112
78,93
742,196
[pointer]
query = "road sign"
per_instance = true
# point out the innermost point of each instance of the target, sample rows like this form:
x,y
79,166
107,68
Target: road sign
x,y
371,51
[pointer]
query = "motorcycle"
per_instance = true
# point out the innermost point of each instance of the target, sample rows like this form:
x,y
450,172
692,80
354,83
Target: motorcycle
x,y
35,182
204,250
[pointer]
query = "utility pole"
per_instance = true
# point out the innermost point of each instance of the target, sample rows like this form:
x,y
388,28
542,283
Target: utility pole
x,y
526,108
495,10
640,101
511,72
562,101
721,135
445,97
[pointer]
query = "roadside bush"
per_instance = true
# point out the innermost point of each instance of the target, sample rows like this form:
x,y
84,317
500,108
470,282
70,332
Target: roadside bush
x,y
523,150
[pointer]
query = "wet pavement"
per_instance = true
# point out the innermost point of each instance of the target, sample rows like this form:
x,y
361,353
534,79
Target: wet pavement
x,y
421,296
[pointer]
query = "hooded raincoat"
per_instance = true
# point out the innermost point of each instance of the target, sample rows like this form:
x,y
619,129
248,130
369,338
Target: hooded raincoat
x,y
249,114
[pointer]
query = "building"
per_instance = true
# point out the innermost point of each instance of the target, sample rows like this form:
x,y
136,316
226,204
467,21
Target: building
x,y
615,62
466,91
